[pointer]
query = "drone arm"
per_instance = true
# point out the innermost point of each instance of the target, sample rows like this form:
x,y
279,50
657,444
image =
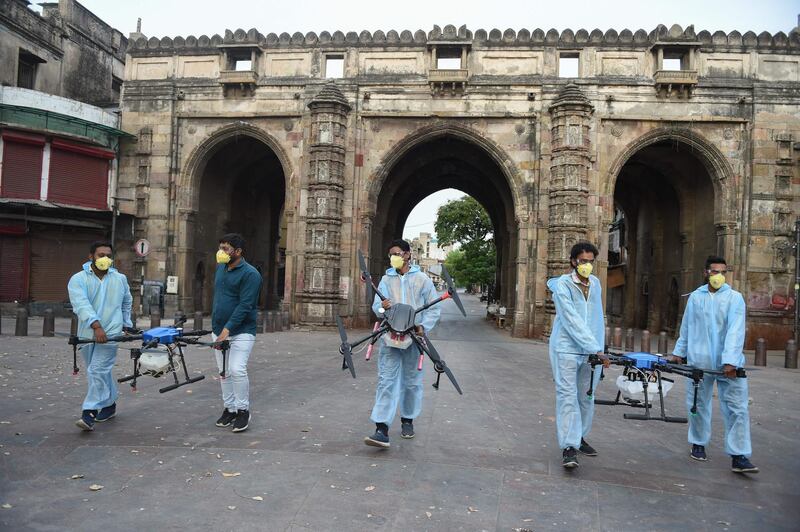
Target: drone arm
x,y
373,335
430,313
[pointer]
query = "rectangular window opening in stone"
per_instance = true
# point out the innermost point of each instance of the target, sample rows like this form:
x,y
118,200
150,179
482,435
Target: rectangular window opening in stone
x,y
450,58
26,69
334,66
116,88
568,65
243,65
672,63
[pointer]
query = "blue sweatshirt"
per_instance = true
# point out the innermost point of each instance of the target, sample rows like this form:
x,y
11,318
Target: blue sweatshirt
x,y
235,299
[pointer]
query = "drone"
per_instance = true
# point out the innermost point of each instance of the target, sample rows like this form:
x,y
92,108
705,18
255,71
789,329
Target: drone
x,y
398,328
640,370
158,352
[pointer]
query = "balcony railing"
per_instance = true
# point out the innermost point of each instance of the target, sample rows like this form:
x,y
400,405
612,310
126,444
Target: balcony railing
x,y
682,81
442,80
243,80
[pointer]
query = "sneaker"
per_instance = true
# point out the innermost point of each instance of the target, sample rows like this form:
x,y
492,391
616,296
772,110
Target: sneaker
x,y
407,429
242,421
587,449
741,464
699,452
379,439
106,413
86,422
226,418
570,458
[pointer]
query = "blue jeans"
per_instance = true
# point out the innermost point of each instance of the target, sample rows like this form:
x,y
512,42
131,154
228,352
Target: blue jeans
x,y
236,384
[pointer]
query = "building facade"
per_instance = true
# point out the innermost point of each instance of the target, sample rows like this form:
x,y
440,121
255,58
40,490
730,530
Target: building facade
x,y
60,80
661,146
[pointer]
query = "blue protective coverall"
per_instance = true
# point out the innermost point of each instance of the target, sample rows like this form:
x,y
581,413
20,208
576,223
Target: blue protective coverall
x,y
399,381
712,335
578,331
107,300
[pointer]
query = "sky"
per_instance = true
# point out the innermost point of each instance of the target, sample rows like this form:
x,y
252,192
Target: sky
x,y
197,17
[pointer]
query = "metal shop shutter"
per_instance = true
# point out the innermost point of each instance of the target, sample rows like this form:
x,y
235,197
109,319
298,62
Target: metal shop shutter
x,y
13,267
22,166
78,175
55,257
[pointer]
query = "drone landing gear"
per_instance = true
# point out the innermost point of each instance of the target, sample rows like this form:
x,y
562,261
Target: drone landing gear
x,y
646,416
136,353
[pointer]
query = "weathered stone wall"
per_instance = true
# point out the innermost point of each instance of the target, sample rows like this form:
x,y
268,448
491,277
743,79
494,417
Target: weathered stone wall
x,y
731,112
80,53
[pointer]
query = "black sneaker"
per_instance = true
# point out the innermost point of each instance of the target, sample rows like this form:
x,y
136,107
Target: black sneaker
x,y
569,458
86,422
741,464
226,418
106,413
379,439
587,449
242,421
698,452
407,429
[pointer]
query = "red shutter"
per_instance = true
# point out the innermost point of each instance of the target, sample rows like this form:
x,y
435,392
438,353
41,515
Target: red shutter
x,y
56,254
13,268
22,169
77,178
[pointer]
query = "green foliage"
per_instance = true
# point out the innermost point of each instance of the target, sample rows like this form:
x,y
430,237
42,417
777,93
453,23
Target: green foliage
x,y
461,221
466,222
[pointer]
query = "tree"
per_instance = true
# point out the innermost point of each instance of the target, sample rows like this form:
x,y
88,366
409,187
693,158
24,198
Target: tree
x,y
461,221
464,221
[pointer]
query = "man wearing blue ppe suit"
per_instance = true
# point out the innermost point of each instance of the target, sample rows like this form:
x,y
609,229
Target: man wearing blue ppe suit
x,y
399,381
712,337
578,331
101,299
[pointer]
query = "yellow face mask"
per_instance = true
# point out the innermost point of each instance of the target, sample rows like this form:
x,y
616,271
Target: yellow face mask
x,y
103,263
584,270
396,261
222,257
716,281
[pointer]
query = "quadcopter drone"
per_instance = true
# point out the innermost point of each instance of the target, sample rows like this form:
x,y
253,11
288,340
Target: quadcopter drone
x,y
640,370
156,356
398,329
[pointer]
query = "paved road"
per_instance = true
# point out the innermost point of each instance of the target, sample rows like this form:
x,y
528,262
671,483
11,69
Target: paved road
x,y
483,461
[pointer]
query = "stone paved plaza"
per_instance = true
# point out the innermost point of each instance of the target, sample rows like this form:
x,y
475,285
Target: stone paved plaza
x,y
484,461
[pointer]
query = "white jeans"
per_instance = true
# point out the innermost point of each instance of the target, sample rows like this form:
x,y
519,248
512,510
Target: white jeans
x,y
236,385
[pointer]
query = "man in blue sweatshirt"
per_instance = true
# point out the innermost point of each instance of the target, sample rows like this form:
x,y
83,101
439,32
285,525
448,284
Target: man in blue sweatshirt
x,y
399,381
237,285
101,299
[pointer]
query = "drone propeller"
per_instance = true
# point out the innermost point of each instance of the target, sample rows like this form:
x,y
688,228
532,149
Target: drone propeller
x,y
451,290
366,277
438,363
344,349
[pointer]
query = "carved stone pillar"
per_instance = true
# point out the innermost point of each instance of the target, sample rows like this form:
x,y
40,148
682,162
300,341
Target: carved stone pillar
x,y
325,192
569,178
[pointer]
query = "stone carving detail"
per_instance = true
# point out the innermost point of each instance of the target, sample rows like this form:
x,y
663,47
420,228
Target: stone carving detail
x,y
496,37
326,154
569,169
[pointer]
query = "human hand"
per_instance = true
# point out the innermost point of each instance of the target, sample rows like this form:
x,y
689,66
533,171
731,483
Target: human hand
x,y
604,359
386,304
100,335
221,338
729,371
420,330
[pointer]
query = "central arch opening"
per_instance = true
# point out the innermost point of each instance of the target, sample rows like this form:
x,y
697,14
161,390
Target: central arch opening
x,y
448,162
242,190
662,232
